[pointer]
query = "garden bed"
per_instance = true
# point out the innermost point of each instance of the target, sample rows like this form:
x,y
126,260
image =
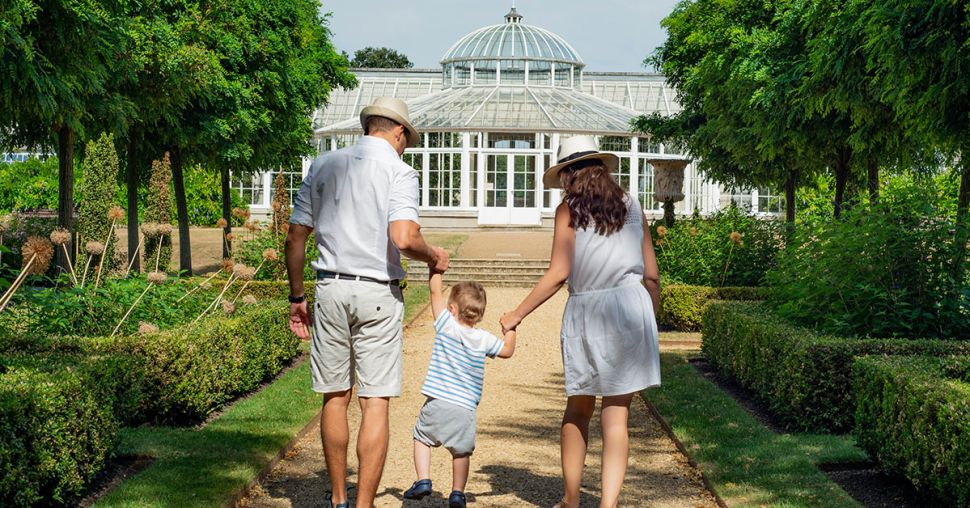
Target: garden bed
x,y
805,378
682,306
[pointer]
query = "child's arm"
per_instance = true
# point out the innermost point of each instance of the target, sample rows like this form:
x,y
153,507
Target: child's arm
x,y
509,348
437,298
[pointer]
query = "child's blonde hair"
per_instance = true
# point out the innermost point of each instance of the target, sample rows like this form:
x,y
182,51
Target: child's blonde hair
x,y
469,297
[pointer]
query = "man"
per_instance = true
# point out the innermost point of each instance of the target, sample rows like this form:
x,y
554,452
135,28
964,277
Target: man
x,y
362,204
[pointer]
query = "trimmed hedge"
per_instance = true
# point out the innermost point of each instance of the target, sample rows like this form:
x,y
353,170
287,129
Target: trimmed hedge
x,y
804,377
54,436
62,399
913,415
682,307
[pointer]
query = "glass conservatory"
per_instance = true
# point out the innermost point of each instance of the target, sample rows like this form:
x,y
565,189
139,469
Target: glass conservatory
x,y
491,120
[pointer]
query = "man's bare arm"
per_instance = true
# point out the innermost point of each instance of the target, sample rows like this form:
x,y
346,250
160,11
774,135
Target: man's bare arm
x,y
407,236
296,240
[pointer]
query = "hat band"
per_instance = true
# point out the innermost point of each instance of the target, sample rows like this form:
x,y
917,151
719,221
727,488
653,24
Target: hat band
x,y
576,155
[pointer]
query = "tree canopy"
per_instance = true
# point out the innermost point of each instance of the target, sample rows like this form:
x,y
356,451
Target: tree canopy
x,y
380,58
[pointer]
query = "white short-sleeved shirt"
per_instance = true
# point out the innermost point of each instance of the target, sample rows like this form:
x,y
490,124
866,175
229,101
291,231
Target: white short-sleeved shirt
x,y
457,369
350,197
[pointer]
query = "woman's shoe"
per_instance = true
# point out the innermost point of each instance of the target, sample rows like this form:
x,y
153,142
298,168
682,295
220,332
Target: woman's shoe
x,y
328,502
456,499
418,490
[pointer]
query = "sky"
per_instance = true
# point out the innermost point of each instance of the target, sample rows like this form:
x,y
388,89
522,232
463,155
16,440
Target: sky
x,y
610,35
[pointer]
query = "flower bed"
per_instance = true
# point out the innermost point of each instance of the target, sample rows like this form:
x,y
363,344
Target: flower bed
x,y
805,378
682,307
913,416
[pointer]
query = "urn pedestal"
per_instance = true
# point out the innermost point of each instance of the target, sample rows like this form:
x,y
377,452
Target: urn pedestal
x,y
669,184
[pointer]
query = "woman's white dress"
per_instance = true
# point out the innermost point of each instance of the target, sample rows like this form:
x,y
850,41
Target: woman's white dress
x,y
609,333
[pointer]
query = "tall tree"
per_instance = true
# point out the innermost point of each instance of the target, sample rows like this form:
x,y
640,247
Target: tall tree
x,y
918,52
380,58
56,56
733,65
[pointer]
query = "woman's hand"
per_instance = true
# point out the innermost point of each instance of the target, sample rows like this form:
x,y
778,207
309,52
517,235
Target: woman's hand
x,y
509,321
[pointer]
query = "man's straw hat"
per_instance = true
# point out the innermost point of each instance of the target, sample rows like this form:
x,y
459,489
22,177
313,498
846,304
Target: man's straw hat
x,y
394,109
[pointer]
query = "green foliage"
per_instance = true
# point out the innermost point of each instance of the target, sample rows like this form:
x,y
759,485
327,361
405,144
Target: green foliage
x,y
805,378
682,307
193,371
54,435
747,464
29,185
250,253
39,312
698,250
913,416
203,196
882,271
380,58
99,188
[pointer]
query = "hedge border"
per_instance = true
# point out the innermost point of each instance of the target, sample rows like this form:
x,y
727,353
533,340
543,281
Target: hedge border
x,y
682,306
914,419
804,377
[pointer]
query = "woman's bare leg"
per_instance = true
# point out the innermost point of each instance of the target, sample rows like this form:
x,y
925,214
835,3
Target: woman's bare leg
x,y
574,439
616,447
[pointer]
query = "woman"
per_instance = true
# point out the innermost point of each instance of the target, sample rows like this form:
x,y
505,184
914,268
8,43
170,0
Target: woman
x,y
602,247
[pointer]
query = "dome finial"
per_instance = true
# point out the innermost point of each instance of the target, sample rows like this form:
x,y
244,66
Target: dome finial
x,y
513,16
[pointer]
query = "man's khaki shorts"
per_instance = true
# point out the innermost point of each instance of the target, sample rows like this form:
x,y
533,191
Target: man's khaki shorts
x,y
357,338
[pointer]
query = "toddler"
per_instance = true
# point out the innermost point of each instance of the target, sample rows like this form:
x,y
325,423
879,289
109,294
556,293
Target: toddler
x,y
454,384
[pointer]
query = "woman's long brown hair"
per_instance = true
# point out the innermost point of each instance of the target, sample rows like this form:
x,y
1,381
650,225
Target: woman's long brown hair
x,y
593,196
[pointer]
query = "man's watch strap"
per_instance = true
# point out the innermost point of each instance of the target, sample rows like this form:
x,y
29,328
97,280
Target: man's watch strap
x,y
297,299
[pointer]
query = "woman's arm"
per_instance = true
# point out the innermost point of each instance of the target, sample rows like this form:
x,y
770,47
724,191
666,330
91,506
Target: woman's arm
x,y
651,274
563,248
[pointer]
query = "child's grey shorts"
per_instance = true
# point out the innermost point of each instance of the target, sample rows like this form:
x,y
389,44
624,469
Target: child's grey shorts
x,y
442,423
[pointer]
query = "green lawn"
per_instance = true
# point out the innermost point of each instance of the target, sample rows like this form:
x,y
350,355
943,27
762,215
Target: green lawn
x,y
746,463
448,241
207,467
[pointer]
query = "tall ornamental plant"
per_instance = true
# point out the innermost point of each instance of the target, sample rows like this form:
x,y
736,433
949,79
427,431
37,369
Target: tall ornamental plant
x,y
98,193
158,248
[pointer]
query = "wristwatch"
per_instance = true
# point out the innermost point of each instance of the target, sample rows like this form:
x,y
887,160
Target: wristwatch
x,y
297,299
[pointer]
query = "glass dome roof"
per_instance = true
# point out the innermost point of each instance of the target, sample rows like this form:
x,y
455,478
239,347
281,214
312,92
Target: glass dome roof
x,y
513,40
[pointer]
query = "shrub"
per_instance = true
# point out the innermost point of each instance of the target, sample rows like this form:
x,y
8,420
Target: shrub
x,y
682,307
191,372
159,211
913,416
99,189
882,271
804,377
29,185
54,436
697,250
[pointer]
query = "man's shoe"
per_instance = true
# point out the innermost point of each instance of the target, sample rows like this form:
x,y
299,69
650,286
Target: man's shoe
x,y
418,490
456,499
328,502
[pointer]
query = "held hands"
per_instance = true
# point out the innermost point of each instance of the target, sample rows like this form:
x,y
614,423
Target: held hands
x,y
300,320
509,321
440,261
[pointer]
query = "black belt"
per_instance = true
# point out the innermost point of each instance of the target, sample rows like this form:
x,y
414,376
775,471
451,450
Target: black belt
x,y
323,274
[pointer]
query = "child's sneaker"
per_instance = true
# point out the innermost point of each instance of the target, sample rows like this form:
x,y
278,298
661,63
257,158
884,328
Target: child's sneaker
x,y
419,490
456,499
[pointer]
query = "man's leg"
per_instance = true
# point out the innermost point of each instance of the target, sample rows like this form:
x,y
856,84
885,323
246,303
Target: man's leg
x,y
335,436
371,447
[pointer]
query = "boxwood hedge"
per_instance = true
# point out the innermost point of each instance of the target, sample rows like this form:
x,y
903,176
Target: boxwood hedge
x,y
62,399
682,306
54,436
913,416
804,377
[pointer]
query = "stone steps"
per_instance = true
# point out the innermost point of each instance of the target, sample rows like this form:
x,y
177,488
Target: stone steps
x,y
488,272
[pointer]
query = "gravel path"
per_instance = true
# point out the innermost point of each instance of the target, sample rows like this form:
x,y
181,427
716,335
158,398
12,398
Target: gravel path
x,y
516,462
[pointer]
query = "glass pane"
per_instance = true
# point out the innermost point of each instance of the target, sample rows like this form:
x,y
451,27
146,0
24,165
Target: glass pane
x,y
502,140
473,180
645,187
622,174
444,180
496,180
644,145
524,182
614,144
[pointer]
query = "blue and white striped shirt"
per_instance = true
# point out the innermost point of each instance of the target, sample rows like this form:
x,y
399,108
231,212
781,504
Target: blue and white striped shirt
x,y
457,367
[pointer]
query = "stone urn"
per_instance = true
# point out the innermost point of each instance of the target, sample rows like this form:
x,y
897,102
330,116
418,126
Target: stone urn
x,y
668,186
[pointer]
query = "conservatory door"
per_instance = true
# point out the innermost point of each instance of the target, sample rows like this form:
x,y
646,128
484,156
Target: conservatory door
x,y
510,193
